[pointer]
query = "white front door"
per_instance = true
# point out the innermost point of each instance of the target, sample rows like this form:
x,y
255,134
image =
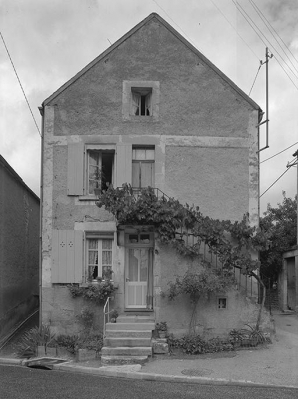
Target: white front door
x,y
137,280
136,277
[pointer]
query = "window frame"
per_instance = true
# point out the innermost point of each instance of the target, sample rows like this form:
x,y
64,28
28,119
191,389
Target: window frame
x,y
97,148
143,161
99,237
148,86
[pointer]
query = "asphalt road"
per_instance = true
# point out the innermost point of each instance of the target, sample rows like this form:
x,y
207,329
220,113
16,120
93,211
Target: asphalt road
x,y
25,383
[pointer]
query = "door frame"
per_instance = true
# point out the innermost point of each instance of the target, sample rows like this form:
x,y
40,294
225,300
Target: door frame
x,y
139,244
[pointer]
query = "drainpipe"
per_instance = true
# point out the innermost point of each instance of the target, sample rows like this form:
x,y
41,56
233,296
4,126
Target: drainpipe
x,y
41,110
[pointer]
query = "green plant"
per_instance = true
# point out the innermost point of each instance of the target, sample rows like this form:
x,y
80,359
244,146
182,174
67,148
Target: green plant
x,y
85,341
114,314
250,336
69,342
86,316
31,339
231,243
161,326
193,344
96,293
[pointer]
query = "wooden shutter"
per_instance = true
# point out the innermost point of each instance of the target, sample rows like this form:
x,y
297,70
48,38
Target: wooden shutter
x,y
67,256
147,174
123,164
75,170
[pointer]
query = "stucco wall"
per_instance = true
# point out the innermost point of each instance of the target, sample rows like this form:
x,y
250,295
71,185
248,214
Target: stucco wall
x,y
19,249
210,320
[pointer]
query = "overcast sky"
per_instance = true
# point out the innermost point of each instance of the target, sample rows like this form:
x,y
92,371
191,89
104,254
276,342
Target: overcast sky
x,y
51,40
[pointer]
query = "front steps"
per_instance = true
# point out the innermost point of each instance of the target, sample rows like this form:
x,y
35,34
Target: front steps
x,y
128,341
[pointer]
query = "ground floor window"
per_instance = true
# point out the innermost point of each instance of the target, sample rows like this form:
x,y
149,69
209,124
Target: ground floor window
x,y
99,258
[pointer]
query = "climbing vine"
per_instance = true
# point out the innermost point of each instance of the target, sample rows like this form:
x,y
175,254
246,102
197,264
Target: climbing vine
x,y
231,242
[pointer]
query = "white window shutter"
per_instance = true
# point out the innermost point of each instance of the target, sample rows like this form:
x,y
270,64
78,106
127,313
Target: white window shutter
x,y
123,164
75,169
67,256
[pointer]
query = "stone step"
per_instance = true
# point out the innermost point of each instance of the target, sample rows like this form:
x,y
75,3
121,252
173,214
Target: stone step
x,y
135,319
124,359
125,341
128,333
130,326
126,351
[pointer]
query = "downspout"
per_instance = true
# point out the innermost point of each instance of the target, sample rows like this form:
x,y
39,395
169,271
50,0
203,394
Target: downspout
x,y
41,110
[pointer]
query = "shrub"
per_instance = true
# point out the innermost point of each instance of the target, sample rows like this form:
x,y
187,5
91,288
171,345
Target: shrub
x,y
31,339
195,344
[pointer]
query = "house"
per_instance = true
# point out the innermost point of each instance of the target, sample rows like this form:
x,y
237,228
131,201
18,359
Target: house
x,y
19,250
149,111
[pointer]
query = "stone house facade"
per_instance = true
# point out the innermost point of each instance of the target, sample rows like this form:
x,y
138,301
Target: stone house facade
x,y
149,111
19,250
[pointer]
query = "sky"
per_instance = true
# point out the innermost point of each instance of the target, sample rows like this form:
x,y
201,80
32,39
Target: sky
x,y
50,41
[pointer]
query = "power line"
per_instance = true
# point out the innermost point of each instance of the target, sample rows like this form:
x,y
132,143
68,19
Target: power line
x,y
234,28
20,84
251,1
275,182
270,28
255,78
279,152
240,9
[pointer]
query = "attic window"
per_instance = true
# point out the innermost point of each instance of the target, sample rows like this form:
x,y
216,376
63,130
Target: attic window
x,y
141,101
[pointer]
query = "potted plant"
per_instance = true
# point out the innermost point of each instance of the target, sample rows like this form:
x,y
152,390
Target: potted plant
x,y
162,328
113,315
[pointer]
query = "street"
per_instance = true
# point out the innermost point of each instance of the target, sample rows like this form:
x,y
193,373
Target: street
x,y
24,383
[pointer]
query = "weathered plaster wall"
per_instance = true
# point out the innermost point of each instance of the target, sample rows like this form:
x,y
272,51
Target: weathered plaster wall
x,y
210,321
19,248
193,98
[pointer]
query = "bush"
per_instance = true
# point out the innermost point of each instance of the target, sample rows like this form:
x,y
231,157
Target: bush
x,y
31,339
195,344
74,342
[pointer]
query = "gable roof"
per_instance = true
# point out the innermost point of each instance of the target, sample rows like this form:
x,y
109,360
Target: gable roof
x,y
130,33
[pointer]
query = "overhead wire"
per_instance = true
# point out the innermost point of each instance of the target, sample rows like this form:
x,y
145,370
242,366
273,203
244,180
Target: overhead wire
x,y
251,1
235,29
270,28
255,78
279,152
20,84
244,13
275,181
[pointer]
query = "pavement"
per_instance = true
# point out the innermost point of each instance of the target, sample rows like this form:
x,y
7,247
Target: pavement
x,y
273,365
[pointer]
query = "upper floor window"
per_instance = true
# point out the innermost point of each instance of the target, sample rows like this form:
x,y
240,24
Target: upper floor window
x,y
141,101
143,159
100,166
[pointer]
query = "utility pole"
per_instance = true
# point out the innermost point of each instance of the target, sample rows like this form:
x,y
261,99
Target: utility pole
x,y
295,163
267,57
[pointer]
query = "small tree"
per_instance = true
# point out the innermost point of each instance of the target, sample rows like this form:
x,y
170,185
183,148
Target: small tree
x,y
200,283
280,224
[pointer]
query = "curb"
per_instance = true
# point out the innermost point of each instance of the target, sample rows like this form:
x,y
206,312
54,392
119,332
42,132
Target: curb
x,y
71,367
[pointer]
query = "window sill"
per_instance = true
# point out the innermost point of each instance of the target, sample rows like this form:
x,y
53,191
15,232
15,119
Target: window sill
x,y
88,198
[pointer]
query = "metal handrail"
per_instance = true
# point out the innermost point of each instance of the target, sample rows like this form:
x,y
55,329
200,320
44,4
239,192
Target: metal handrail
x,y
106,313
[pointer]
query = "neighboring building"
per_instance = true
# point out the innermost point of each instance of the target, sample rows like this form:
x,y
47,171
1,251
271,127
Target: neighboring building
x,y
19,250
150,111
288,280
